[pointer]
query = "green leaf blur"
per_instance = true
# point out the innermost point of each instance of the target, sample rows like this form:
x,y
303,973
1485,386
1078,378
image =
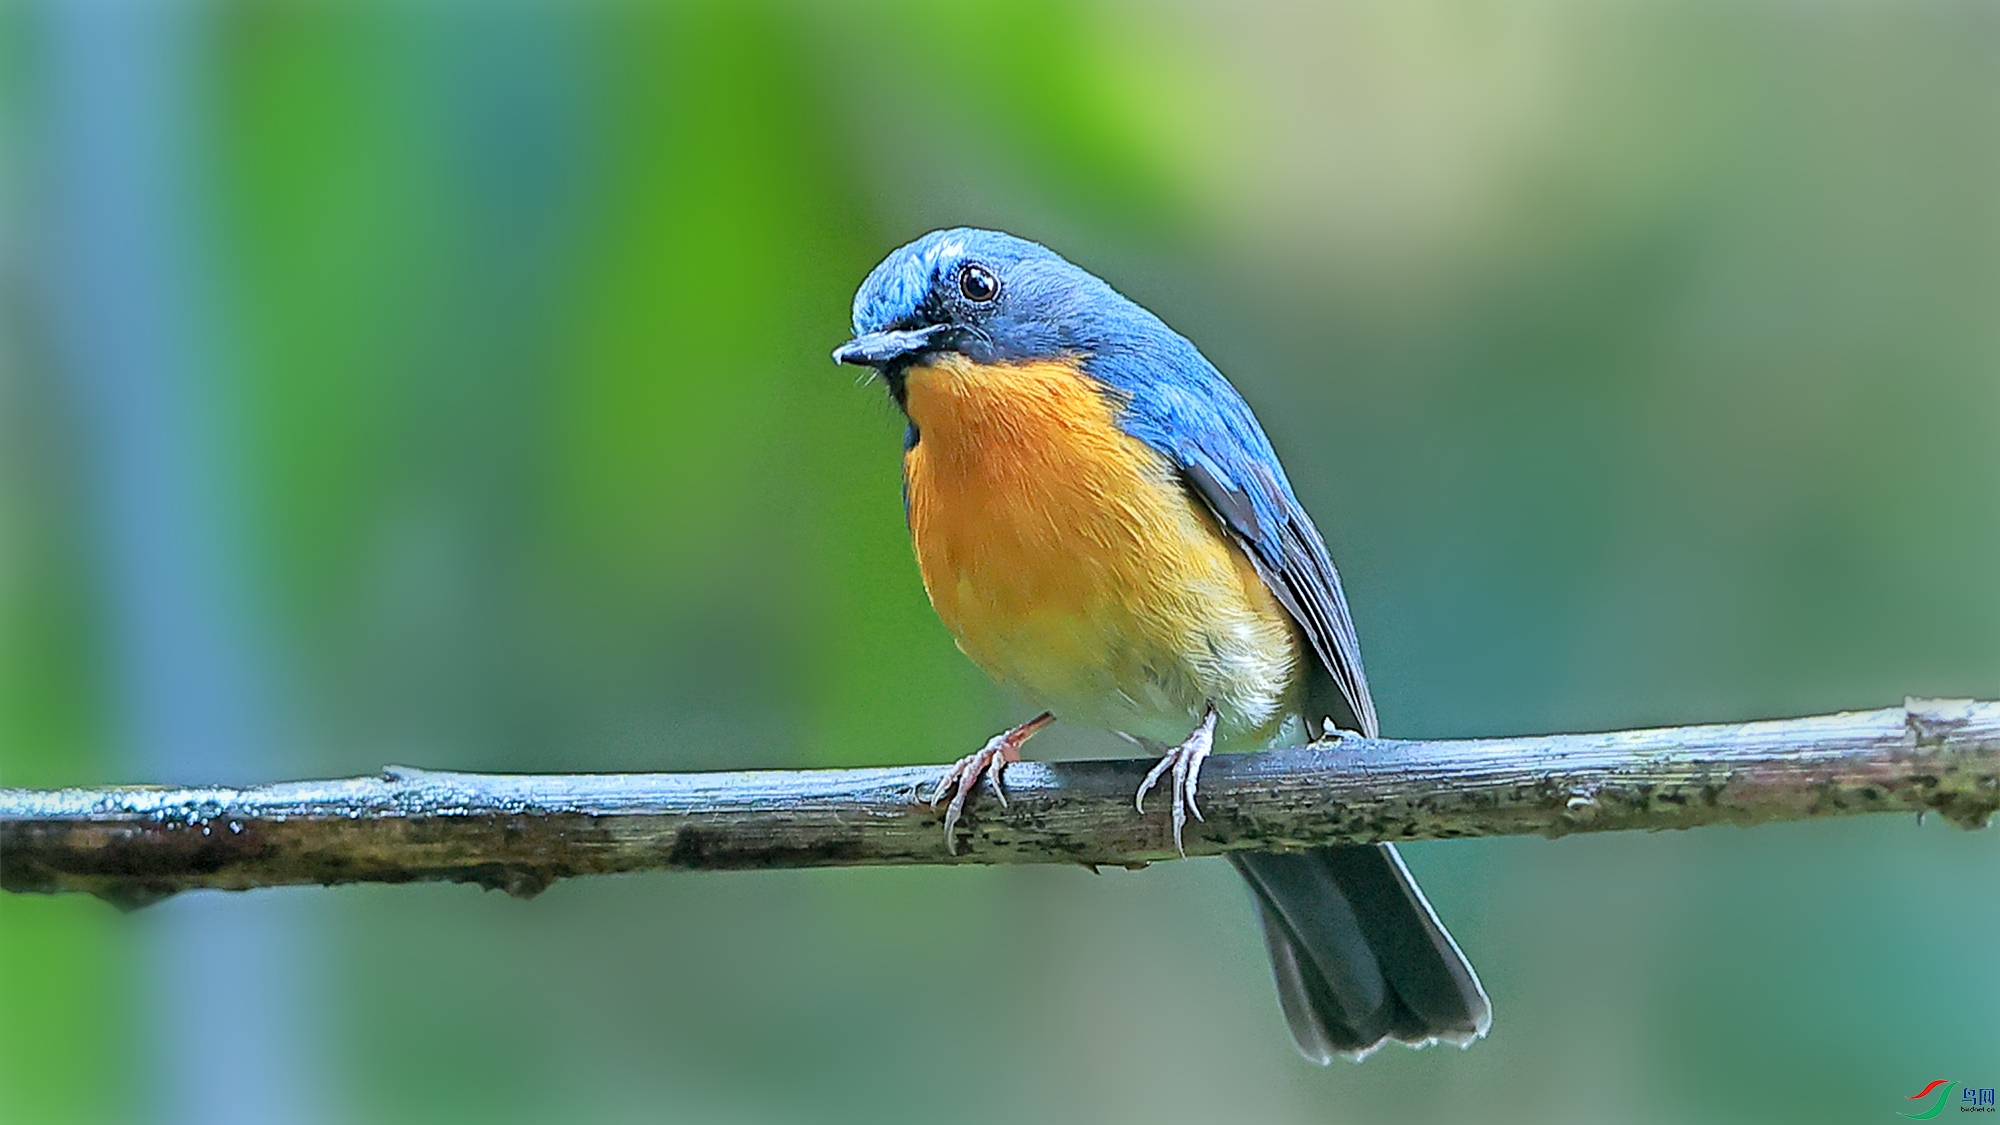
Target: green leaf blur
x,y
1641,363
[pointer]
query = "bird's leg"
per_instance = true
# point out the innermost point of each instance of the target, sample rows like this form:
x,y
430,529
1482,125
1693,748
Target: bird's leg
x,y
990,760
1185,762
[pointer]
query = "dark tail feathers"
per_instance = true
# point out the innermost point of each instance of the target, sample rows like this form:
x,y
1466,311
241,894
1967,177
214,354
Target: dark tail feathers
x,y
1359,956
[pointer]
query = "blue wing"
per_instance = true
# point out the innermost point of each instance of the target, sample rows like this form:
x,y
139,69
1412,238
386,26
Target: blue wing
x,y
1180,405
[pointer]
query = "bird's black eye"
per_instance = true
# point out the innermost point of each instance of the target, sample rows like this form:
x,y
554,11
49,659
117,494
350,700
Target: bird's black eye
x,y
978,283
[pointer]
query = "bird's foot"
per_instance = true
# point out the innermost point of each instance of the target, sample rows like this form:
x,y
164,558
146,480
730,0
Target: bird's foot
x,y
1336,735
989,761
1185,762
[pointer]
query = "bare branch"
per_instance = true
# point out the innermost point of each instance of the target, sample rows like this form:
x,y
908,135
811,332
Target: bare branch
x,y
133,844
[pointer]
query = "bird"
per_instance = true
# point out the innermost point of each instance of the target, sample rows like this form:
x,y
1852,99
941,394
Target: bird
x,y
1103,526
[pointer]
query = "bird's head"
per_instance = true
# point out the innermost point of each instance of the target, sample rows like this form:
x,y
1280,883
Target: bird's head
x,y
985,294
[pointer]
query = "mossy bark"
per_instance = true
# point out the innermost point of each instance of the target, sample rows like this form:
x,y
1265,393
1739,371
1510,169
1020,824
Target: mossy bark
x,y
135,844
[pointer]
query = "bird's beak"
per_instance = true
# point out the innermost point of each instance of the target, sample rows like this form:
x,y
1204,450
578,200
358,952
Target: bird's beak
x,y
880,349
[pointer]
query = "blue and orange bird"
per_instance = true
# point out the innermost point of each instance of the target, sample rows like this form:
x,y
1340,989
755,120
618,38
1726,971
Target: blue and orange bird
x,y
1103,526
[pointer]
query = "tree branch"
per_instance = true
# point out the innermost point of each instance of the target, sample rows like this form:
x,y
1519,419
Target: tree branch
x,y
135,844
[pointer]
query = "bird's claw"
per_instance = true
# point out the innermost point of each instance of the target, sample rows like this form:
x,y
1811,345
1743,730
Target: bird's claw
x,y
1337,735
1184,761
989,761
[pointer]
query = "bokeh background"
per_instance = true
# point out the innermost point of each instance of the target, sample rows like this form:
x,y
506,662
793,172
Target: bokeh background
x,y
446,383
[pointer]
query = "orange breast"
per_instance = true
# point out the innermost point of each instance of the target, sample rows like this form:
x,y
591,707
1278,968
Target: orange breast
x,y
1071,563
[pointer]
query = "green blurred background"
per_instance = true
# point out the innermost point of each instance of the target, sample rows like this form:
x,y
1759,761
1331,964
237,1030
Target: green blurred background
x,y
446,383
